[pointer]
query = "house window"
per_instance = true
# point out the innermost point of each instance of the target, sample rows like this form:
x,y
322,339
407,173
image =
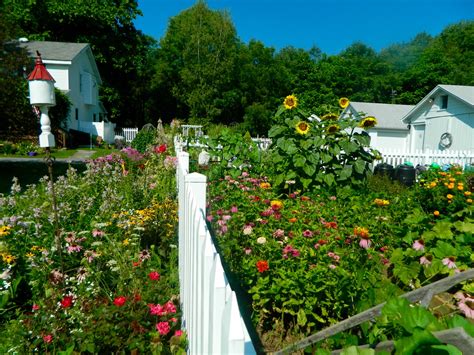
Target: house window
x,y
94,116
77,114
444,101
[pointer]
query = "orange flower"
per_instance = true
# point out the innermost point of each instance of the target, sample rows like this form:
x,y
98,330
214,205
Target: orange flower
x,y
265,185
262,266
436,213
292,220
276,205
361,232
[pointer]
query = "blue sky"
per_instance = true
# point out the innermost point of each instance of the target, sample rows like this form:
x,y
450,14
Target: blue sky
x,y
331,25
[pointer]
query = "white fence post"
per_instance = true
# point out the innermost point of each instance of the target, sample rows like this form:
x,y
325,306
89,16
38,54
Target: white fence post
x,y
211,314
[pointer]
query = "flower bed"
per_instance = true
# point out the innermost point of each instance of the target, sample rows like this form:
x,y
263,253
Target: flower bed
x,y
312,250
100,276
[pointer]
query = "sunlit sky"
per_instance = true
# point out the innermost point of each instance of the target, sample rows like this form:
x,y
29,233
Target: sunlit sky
x,y
331,25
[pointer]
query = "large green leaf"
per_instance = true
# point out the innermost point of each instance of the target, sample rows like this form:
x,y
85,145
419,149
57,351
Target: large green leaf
x,y
276,131
345,173
309,169
299,160
467,227
359,166
328,179
443,229
421,339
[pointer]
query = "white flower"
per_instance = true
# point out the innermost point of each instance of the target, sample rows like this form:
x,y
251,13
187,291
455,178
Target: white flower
x,y
261,240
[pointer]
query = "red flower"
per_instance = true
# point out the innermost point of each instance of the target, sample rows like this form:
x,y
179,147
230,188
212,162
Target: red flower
x,y
120,301
35,307
163,328
160,149
66,302
262,266
137,297
48,338
154,276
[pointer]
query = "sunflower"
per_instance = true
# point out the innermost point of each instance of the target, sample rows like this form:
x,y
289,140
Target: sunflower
x,y
329,117
302,127
368,122
343,102
333,128
290,102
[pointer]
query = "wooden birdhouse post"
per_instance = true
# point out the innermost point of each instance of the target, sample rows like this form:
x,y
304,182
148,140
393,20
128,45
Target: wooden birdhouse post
x,y
41,87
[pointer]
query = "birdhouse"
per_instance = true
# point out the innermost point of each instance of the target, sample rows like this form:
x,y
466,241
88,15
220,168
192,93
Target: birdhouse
x,y
41,85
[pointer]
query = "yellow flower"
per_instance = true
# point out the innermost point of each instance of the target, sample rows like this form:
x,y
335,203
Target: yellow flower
x,y
460,187
4,230
368,122
469,200
302,127
436,213
334,128
126,242
330,116
467,193
343,102
276,204
449,196
8,258
290,102
29,255
433,184
265,185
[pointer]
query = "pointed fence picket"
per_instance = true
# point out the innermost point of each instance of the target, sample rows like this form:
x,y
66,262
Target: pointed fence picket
x,y
427,157
211,313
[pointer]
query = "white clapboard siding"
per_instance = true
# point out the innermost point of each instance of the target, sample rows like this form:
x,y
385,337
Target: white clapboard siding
x,y
426,157
211,315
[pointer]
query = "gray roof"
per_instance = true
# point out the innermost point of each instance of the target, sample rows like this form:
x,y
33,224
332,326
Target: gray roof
x,y
389,116
465,93
54,50
462,92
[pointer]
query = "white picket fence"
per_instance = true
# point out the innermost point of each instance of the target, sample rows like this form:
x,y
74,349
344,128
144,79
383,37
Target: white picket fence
x,y
211,314
129,134
462,158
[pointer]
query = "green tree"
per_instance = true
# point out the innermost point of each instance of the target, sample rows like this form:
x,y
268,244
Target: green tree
x,y
196,62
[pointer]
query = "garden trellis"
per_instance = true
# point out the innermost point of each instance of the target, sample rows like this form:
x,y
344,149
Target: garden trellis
x,y
211,314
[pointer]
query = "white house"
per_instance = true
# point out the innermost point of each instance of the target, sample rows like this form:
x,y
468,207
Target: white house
x,y
390,132
443,120
73,67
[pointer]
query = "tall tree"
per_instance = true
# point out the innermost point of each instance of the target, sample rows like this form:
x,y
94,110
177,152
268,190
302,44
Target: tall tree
x,y
197,62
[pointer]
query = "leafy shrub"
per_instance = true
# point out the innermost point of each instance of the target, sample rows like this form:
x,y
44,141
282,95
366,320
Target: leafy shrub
x,y
143,140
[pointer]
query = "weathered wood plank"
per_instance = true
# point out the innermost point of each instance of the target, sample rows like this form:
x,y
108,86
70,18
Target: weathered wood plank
x,y
413,296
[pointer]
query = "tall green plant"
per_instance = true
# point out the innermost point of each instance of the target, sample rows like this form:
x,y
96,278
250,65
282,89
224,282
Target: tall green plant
x,y
320,152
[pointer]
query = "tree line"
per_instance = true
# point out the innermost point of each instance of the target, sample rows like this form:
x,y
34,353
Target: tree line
x,y
201,72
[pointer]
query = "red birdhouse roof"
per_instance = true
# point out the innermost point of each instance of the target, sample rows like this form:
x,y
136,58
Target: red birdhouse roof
x,y
40,72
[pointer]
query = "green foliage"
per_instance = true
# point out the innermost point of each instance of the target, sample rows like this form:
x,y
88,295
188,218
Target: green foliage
x,y
331,153
143,140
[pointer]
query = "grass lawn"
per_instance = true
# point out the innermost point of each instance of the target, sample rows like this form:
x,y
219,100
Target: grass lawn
x,y
64,153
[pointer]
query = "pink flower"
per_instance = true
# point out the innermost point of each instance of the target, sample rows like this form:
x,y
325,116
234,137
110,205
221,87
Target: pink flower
x,y
418,245
247,229
163,328
307,233
48,338
154,276
424,261
332,266
120,301
174,320
365,243
247,251
170,307
449,262
178,333
98,233
156,310
209,218
74,248
233,209
279,233
35,307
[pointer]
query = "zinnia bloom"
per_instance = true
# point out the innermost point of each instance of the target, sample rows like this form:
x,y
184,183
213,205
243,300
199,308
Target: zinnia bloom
x,y
262,266
276,205
343,102
163,328
160,149
154,276
290,102
302,127
368,122
66,302
120,301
